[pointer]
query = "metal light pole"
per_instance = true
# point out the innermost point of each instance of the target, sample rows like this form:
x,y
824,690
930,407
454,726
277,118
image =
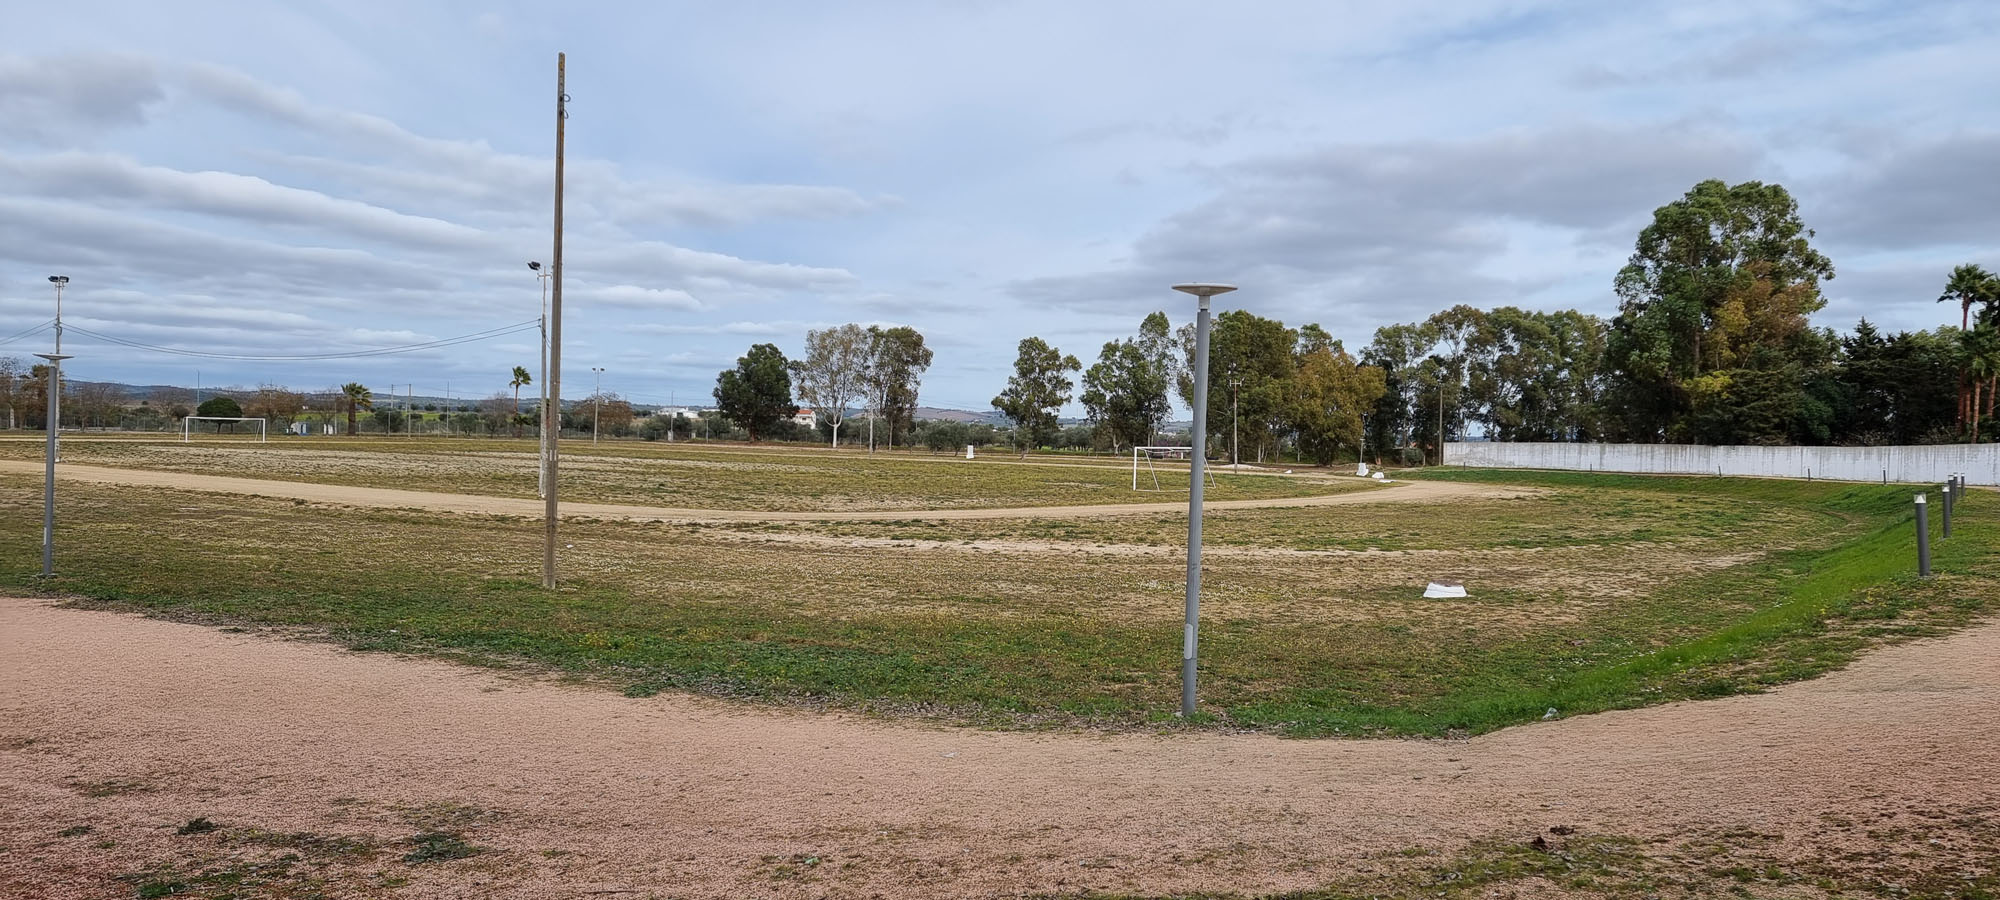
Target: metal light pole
x,y
549,452
1235,454
1440,417
55,383
1198,465
49,465
596,400
1923,537
542,476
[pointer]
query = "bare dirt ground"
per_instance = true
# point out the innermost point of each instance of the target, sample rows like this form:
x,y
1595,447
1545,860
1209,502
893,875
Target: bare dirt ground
x,y
133,726
392,498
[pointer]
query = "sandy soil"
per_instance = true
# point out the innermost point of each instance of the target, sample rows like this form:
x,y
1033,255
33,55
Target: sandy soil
x,y
346,495
133,725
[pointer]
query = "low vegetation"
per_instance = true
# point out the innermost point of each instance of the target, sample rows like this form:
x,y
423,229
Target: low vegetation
x,y
1940,853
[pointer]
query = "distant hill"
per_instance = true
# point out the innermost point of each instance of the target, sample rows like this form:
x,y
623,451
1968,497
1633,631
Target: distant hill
x,y
988,417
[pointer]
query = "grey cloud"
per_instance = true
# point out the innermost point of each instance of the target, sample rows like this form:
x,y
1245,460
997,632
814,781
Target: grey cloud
x,y
472,170
1752,56
1940,192
654,262
1903,293
119,249
717,205
1412,222
635,297
65,99
89,176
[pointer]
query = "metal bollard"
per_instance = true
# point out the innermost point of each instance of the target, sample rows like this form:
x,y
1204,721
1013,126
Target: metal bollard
x,y
1947,509
1923,539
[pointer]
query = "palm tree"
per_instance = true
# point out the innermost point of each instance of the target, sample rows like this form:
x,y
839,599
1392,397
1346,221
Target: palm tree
x,y
354,396
1969,284
520,378
1980,350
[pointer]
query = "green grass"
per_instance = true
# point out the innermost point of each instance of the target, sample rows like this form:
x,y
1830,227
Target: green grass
x,y
1067,633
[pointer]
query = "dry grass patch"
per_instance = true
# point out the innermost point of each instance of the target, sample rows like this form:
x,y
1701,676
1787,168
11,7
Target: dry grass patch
x,y
669,475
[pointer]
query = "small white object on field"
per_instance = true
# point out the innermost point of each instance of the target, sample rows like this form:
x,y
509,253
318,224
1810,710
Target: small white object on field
x,y
1361,471
1288,471
1378,476
968,451
1550,714
1444,588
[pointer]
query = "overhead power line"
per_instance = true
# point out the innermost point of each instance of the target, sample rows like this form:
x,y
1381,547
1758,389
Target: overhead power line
x,y
38,329
488,334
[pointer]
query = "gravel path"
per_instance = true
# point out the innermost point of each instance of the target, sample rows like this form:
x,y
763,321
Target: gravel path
x,y
133,725
347,495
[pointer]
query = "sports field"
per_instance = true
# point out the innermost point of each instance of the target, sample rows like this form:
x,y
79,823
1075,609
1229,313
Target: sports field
x,y
1052,616
677,475
1586,592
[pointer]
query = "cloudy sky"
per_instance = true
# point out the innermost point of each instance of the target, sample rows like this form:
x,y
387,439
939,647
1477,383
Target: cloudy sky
x,y
319,177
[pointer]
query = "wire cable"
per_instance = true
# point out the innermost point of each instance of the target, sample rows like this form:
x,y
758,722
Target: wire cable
x,y
27,334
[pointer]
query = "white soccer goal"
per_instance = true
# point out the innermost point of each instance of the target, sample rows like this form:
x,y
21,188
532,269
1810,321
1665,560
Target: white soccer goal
x,y
187,426
1144,457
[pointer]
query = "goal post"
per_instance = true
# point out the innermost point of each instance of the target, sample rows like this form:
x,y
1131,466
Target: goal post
x,y
1143,457
187,426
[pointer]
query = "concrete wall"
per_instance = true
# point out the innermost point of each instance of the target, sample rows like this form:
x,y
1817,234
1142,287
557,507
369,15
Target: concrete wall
x,y
1909,465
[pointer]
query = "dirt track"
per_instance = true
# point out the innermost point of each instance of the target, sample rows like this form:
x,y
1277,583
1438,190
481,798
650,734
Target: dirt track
x,y
579,790
347,495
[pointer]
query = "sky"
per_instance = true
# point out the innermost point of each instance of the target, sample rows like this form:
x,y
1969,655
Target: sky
x,y
319,178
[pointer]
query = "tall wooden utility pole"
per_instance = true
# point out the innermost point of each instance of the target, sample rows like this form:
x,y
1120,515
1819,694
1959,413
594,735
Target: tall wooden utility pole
x,y
549,435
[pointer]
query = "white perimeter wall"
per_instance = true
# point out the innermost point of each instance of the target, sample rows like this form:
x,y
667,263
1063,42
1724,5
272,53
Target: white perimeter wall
x,y
1910,465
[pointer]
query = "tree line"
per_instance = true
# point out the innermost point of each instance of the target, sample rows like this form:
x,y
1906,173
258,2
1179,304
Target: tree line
x,y
1269,386
1712,344
881,369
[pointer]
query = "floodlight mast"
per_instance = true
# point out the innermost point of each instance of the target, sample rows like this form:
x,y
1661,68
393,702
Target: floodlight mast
x,y
596,401
549,435
1197,465
55,376
542,471
49,465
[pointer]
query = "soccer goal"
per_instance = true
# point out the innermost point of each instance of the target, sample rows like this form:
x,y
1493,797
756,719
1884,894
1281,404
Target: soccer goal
x,y
187,426
1144,457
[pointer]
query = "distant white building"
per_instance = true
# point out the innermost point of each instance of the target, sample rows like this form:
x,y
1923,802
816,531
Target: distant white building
x,y
807,417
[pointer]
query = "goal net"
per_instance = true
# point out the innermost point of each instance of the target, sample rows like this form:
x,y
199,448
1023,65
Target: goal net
x,y
1144,468
187,425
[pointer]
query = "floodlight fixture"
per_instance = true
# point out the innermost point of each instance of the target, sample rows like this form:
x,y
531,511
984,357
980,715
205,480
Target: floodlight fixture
x,y
1203,289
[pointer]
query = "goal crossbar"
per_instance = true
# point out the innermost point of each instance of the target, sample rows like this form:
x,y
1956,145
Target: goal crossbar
x,y
263,426
1146,455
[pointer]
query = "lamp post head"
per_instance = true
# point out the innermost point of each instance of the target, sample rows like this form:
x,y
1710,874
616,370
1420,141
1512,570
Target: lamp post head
x,y
54,357
58,279
534,265
1204,290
